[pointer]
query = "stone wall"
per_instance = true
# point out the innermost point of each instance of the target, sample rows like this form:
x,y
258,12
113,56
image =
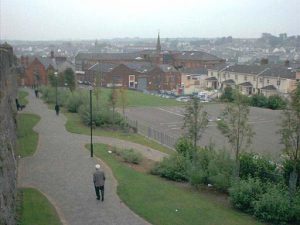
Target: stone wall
x,y
8,163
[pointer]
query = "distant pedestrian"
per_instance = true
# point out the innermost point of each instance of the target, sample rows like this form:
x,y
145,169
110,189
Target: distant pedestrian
x,y
36,91
17,104
99,179
57,109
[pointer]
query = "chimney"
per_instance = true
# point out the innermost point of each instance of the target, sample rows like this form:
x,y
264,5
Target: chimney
x,y
287,63
52,54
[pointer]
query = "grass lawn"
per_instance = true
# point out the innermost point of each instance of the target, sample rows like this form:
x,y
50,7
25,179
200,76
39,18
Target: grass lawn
x,y
27,138
75,125
22,97
135,98
163,203
36,209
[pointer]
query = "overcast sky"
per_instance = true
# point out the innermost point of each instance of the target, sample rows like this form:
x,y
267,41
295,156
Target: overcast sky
x,y
96,19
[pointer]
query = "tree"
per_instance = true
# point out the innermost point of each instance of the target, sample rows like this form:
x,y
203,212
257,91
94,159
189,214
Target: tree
x,y
123,99
195,120
52,78
235,127
290,135
112,100
70,79
228,94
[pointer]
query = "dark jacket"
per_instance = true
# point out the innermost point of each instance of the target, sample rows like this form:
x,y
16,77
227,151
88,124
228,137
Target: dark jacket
x,y
99,178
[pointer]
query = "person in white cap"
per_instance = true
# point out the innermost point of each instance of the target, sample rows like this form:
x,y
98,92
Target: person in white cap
x,y
99,180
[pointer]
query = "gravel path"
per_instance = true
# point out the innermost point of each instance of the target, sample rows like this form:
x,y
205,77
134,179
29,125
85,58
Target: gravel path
x,y
62,170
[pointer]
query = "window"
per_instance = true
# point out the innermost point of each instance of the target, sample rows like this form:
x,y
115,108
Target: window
x,y
278,82
224,75
236,76
254,78
245,77
211,74
268,81
188,77
228,75
261,80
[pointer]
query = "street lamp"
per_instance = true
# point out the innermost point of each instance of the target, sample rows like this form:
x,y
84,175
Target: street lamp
x,y
56,102
91,121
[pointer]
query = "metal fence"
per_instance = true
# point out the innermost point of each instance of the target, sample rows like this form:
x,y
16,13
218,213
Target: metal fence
x,y
152,133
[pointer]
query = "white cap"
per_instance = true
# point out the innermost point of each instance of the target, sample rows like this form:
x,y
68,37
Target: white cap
x,y
97,166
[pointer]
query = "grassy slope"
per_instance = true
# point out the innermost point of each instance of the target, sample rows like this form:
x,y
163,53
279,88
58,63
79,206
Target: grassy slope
x,y
75,125
22,97
135,98
156,199
27,138
37,210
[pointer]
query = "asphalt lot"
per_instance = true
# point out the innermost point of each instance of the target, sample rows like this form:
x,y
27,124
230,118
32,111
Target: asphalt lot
x,y
170,120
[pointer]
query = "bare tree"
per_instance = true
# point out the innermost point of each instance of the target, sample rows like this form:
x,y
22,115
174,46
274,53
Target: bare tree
x,y
113,98
195,120
290,135
235,127
123,99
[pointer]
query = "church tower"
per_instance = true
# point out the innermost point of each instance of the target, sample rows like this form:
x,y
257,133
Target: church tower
x,y
158,46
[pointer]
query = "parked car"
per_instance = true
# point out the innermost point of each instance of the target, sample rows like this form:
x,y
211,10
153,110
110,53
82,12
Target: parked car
x,y
183,99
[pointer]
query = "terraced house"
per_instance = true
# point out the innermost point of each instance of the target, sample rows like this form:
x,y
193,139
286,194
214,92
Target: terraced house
x,y
253,79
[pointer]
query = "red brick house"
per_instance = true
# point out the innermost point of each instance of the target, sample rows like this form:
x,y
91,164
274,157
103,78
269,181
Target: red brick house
x,y
121,76
35,74
163,77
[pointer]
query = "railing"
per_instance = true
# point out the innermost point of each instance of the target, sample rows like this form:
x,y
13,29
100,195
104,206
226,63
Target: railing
x,y
152,133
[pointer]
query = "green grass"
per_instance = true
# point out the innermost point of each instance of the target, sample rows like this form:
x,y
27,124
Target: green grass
x,y
22,97
157,200
36,209
135,98
75,125
27,138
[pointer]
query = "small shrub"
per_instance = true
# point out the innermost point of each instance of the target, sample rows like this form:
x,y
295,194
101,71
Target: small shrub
x,y
172,168
131,156
184,147
74,102
244,193
259,100
296,207
197,168
276,102
220,171
253,165
274,205
287,170
228,95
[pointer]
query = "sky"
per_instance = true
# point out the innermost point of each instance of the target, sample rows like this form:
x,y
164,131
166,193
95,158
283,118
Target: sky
x,y
99,19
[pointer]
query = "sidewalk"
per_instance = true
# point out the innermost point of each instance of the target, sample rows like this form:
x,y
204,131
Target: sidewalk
x,y
62,170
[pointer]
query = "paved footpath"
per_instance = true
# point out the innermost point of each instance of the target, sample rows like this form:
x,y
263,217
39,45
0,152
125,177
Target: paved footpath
x,y
62,170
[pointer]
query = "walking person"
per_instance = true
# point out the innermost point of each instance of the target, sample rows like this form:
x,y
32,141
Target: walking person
x,y
36,91
57,109
99,180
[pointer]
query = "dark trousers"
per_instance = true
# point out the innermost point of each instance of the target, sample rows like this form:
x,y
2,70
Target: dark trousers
x,y
101,188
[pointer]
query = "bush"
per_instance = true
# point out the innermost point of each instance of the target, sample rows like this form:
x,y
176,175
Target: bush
x,y
228,95
220,171
244,193
276,102
259,100
101,118
256,166
184,147
274,205
296,207
131,156
74,102
197,168
172,168
287,170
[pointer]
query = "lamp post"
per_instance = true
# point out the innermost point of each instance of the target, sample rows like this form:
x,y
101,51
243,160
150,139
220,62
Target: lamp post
x,y
56,102
91,121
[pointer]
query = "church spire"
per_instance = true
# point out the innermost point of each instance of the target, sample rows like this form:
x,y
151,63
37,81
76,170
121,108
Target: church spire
x,y
158,46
